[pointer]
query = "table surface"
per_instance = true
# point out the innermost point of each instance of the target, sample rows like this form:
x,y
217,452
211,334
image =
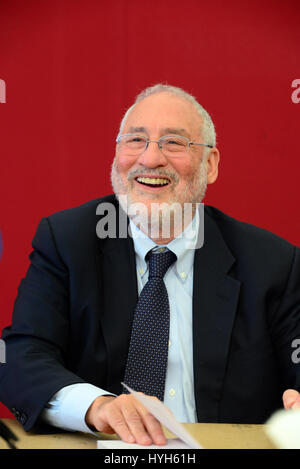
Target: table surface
x,y
209,435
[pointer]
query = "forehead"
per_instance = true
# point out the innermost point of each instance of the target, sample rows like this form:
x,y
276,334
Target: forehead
x,y
164,111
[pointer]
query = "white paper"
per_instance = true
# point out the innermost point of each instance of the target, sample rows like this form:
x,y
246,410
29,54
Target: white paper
x,y
283,428
117,444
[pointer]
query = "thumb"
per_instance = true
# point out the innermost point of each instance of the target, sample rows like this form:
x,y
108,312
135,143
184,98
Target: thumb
x,y
289,397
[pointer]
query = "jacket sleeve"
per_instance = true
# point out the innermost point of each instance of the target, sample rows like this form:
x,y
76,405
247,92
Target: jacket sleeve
x,y
285,327
37,340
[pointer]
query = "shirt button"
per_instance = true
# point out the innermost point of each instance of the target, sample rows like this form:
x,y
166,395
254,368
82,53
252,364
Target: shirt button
x,y
172,392
182,274
169,343
142,271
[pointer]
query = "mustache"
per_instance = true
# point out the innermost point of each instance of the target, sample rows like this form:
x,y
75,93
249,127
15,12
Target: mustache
x,y
163,173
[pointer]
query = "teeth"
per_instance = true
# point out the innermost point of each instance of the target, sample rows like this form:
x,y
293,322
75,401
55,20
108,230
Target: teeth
x,y
154,181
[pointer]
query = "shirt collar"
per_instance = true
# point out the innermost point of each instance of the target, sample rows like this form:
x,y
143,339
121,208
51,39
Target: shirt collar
x,y
185,255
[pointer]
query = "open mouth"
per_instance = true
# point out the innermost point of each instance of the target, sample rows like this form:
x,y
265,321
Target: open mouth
x,y
153,182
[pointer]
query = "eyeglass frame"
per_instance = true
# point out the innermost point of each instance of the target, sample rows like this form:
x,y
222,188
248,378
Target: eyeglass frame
x,y
147,141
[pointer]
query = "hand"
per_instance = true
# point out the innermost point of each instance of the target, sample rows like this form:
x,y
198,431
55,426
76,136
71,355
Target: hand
x,y
291,399
127,417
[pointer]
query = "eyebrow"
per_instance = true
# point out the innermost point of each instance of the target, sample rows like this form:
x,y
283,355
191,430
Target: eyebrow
x,y
166,131
183,132
133,130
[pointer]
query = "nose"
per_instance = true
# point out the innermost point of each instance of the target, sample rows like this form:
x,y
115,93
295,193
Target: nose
x,y
152,157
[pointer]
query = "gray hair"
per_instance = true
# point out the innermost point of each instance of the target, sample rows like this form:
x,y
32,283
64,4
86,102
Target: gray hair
x,y
207,130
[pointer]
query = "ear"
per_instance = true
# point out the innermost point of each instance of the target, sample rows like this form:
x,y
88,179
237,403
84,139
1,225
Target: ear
x,y
212,164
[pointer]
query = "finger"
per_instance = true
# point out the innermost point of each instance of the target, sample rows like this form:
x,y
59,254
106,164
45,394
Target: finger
x,y
133,416
152,425
142,424
153,428
289,398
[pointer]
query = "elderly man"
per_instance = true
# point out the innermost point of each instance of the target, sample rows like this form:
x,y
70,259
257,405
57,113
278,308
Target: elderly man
x,y
209,327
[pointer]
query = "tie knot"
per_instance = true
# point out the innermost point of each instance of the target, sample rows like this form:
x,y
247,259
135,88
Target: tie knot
x,y
159,262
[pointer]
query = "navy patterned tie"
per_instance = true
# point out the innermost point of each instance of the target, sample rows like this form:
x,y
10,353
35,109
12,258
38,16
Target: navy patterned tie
x,y
148,350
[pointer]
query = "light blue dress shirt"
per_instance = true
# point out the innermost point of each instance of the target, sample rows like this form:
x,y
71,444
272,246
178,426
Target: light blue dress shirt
x,y
68,407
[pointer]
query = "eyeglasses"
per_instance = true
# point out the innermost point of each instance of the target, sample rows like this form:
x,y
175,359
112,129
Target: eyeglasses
x,y
170,145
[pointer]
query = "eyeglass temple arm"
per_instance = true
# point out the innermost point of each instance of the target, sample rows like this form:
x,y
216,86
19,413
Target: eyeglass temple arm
x,y
201,144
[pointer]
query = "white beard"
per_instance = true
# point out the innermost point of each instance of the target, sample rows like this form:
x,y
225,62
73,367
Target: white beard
x,y
162,220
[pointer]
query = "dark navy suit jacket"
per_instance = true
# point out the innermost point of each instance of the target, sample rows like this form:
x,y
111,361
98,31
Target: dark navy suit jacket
x,y
73,314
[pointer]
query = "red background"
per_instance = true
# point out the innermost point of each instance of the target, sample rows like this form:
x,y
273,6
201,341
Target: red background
x,y
72,67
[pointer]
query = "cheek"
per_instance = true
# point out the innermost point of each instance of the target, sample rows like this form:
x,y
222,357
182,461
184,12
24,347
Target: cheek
x,y
184,169
124,164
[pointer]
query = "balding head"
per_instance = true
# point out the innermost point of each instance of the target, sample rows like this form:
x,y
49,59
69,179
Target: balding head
x,y
206,130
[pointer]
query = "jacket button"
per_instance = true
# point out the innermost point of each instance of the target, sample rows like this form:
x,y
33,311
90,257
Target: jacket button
x,y
23,419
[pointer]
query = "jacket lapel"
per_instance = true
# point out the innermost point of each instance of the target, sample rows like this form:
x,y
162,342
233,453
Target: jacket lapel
x,y
215,298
